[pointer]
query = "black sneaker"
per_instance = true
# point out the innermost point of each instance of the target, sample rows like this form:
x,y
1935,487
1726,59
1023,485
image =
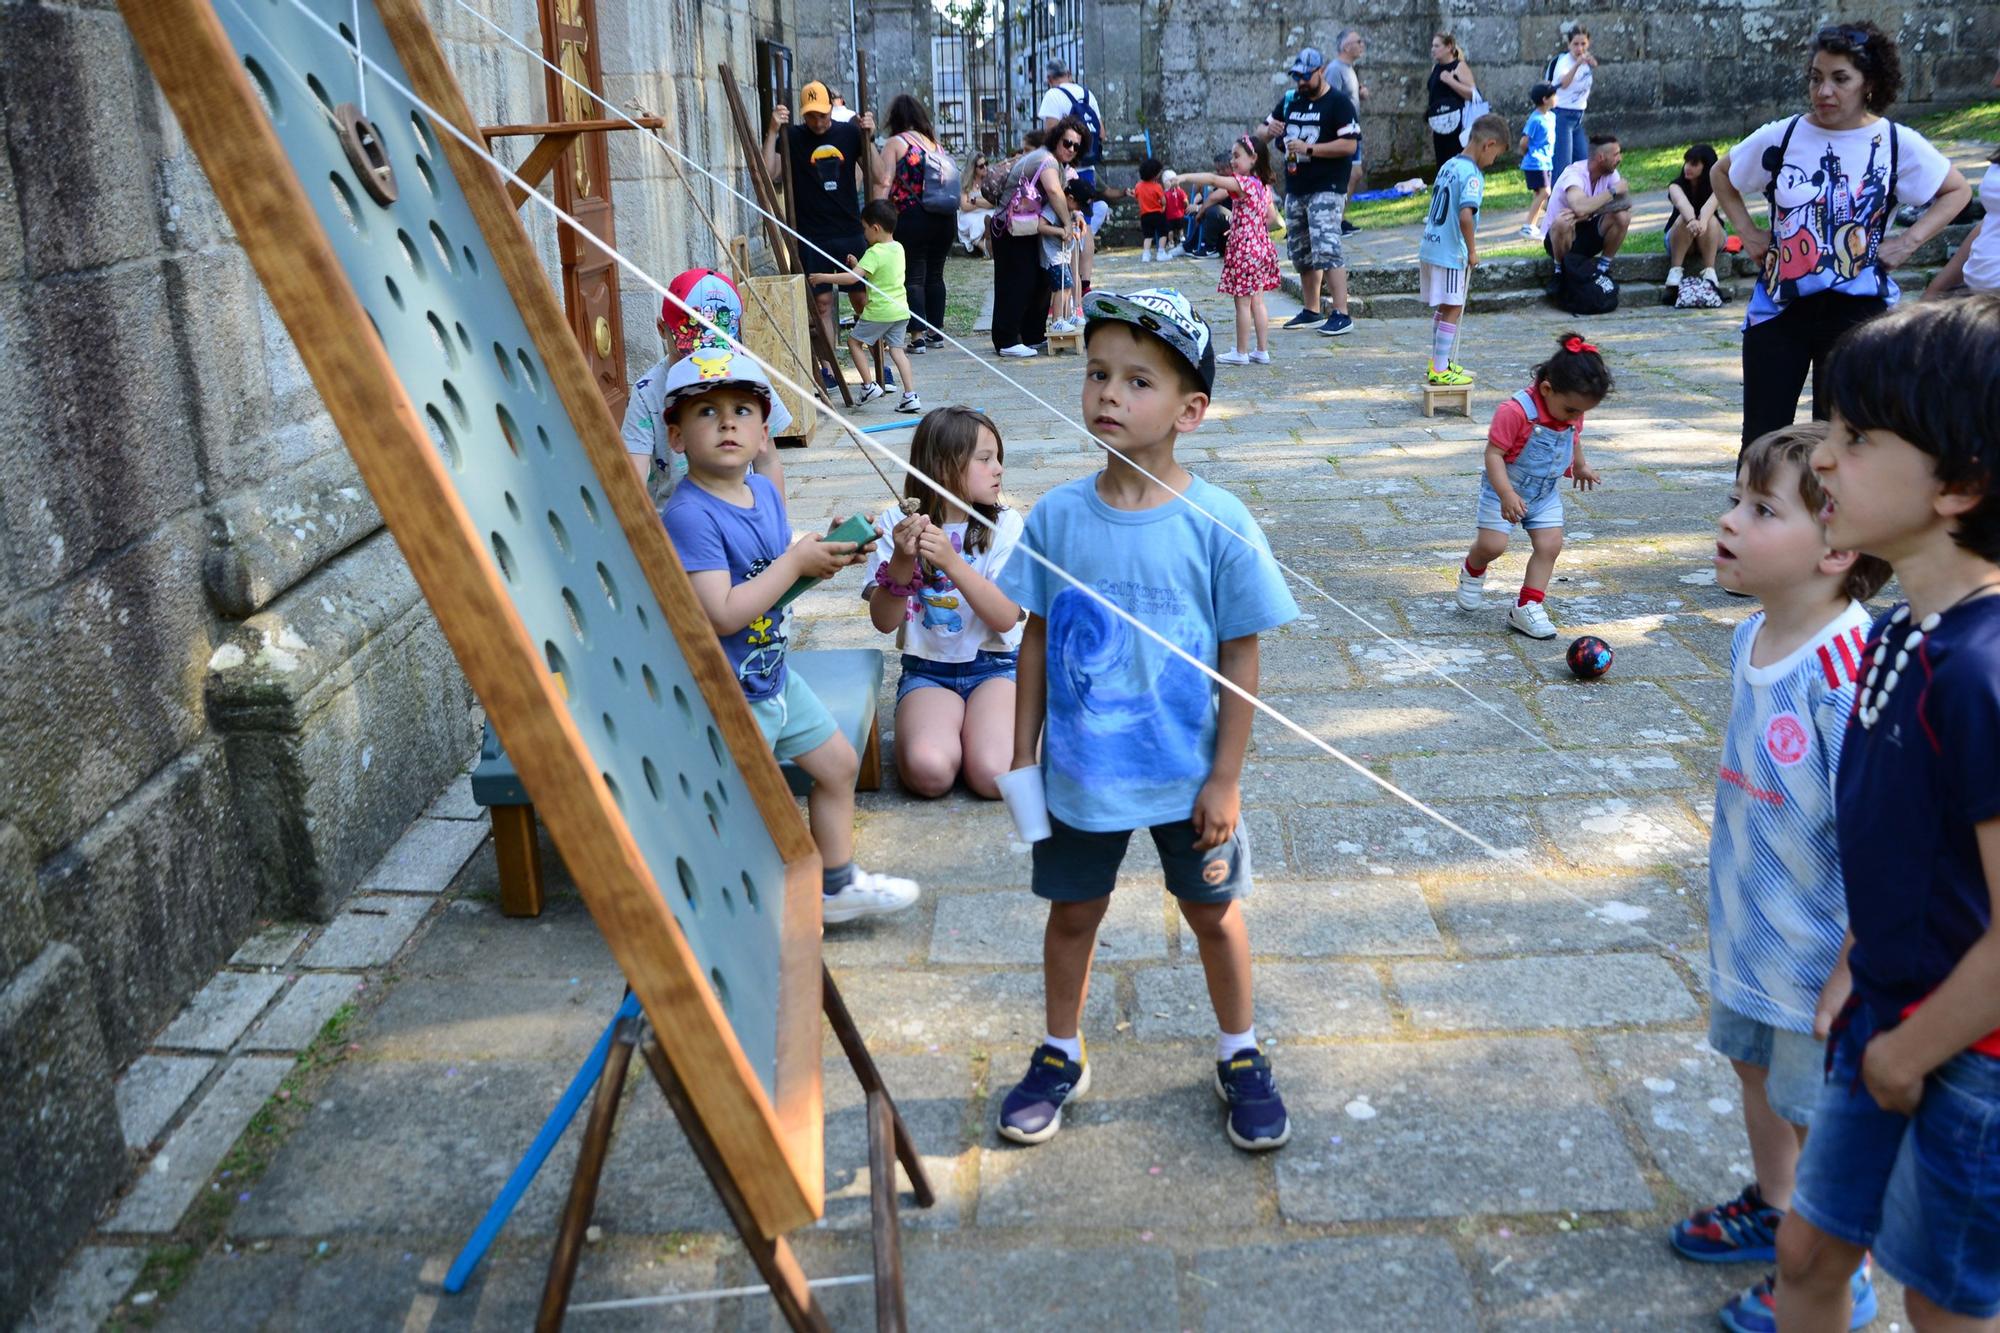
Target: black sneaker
x,y
1032,1112
1304,319
1347,228
1336,324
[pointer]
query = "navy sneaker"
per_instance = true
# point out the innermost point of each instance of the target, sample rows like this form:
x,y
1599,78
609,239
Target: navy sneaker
x,y
1032,1112
1336,324
1756,1309
1257,1119
1304,319
1742,1231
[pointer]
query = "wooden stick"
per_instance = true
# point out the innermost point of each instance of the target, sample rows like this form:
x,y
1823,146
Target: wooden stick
x,y
863,1064
760,176
887,1232
816,329
492,132
861,109
541,159
583,1183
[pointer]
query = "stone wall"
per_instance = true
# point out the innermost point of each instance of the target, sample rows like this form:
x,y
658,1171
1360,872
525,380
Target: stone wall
x,y
1674,71
221,697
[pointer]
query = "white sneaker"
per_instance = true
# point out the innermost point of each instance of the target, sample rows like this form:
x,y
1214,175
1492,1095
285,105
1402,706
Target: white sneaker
x,y
1471,590
1232,357
869,393
868,895
1673,278
1019,350
1532,620
1708,275
1260,358
910,403
1529,232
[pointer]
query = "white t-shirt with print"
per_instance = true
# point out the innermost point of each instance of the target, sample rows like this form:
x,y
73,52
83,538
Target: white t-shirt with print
x,y
645,424
1577,96
941,626
1982,263
1827,188
1578,174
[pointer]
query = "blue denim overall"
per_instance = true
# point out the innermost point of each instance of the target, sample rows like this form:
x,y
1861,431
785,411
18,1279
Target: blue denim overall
x,y
1536,473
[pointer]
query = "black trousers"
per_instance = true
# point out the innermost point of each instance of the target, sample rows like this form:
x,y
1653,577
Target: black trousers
x,y
1444,147
1020,292
926,238
1780,352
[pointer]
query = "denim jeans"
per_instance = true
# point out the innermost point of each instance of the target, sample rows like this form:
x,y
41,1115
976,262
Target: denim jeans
x,y
1572,144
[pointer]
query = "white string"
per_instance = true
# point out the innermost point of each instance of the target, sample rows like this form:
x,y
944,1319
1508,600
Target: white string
x,y
1515,859
720,1293
360,73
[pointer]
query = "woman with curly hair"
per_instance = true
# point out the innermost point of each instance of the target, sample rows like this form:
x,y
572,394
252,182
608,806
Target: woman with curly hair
x,y
1833,177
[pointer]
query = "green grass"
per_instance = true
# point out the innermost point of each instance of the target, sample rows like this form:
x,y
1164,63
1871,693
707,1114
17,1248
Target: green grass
x,y
1643,169
1651,241
1979,123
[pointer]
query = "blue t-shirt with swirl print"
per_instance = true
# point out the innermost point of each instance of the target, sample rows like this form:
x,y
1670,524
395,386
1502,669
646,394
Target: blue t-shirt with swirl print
x,y
1130,732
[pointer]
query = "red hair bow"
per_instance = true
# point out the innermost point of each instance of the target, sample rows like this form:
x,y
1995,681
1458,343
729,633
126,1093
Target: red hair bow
x,y
1575,344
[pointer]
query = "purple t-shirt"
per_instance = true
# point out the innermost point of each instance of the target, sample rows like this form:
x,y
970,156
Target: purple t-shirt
x,y
711,533
1910,791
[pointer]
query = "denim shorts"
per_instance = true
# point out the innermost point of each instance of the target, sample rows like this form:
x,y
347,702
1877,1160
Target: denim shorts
x,y
793,720
965,677
1074,865
1794,1062
1544,510
1922,1191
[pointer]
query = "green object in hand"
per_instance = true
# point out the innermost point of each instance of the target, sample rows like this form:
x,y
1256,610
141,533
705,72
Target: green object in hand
x,y
856,529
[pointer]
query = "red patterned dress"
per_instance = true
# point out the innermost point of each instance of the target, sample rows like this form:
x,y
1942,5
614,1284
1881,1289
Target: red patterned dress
x,y
1251,266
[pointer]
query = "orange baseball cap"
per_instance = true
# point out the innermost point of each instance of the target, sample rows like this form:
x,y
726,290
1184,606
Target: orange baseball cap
x,y
815,98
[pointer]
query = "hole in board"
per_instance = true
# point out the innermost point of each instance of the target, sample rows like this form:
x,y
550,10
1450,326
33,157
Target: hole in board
x,y
715,747
533,376
395,292
471,260
687,709
346,34
652,777
509,430
442,339
728,900
714,812
640,611
576,625
721,988
722,791
457,403
559,532
265,90
319,91
410,254
688,889
750,892
464,338
589,505
542,438
558,666
610,587
349,206
505,556
430,177
616,795
687,788
506,366
618,669
610,726
652,684
442,437
442,243
423,132
513,506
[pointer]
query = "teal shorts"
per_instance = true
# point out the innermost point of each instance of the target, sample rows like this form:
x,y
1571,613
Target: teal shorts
x,y
794,721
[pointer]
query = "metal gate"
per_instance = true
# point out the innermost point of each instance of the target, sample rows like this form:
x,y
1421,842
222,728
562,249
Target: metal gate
x,y
989,62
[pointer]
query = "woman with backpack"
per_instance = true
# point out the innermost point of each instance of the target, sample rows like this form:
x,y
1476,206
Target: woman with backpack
x,y
1833,177
1020,280
921,180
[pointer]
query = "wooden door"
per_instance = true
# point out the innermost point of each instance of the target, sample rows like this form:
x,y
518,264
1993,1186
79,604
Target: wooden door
x,y
583,190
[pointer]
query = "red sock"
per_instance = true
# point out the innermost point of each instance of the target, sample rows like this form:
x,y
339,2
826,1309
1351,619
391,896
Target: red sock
x,y
1529,595
1478,573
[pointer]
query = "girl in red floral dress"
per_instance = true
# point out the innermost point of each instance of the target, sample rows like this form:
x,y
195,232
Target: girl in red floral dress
x,y
1250,265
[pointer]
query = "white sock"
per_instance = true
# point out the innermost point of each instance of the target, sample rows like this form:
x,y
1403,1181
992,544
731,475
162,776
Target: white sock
x,y
1229,1043
1443,335
1069,1046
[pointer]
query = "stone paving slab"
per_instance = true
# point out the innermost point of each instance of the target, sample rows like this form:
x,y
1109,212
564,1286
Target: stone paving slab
x,y
368,931
1368,722
1688,1105
297,1018
1305,781
1642,647
1553,992
494,1017
1395,839
153,1089
89,1288
1421,661
1613,1281
1292,1000
271,947
1335,918
934,1095
997,1012
1630,833
1519,914
426,857
1544,773
1445,1129
1005,926
980,852
476,940
1359,1284
194,1150
1605,714
221,1011
455,801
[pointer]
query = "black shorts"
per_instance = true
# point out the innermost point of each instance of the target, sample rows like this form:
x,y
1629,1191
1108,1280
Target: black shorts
x,y
1075,866
1152,226
1537,180
839,248
1588,241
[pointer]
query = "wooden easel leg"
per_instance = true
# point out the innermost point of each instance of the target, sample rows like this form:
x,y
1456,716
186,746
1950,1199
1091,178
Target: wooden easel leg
x,y
520,859
583,1185
870,1079
774,1259
882,1125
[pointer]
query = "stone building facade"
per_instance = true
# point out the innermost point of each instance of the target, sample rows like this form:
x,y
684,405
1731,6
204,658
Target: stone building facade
x,y
221,697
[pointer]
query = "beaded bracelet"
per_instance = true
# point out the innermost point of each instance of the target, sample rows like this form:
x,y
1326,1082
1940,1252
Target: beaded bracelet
x,y
903,590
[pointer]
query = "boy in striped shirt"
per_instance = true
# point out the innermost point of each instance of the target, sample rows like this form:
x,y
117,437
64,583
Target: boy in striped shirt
x,y
1777,916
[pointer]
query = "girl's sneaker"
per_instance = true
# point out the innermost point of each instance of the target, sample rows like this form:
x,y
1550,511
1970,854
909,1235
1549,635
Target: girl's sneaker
x,y
1019,350
1756,1309
1472,596
1260,358
1457,369
1450,377
1531,619
1232,357
1032,1112
1257,1120
869,393
909,404
1742,1231
868,894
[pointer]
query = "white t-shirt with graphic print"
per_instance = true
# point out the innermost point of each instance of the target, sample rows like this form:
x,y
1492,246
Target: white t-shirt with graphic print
x,y
941,625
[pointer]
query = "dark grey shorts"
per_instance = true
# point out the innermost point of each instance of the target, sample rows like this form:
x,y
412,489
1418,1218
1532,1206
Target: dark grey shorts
x,y
1075,866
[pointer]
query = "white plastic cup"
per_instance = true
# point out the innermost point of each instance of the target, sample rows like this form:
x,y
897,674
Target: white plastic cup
x,y
1026,801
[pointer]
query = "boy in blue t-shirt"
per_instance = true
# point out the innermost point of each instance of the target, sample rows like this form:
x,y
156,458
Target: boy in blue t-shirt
x,y
1538,154
1904,1157
1130,735
1448,250
729,527
1776,914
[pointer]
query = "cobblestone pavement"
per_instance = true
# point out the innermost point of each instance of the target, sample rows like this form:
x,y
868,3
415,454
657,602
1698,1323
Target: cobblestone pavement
x,y
1497,1075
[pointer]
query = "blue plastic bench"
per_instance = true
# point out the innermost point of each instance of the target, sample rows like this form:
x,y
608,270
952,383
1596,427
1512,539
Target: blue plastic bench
x,y
847,680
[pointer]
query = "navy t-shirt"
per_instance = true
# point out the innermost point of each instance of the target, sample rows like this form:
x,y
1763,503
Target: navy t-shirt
x,y
1910,791
710,533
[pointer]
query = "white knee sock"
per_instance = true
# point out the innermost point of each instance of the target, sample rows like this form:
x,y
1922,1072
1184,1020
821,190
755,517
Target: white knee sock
x,y
1230,1043
1443,335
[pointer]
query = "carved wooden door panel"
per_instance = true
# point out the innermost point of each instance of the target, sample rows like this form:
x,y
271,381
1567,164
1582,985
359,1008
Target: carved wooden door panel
x,y
583,189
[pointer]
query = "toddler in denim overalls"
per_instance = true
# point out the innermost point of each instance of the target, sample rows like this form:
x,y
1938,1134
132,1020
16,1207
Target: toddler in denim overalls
x,y
1535,440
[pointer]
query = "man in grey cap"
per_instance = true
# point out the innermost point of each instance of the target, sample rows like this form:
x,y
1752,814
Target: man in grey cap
x,y
1067,97
1319,128
1348,49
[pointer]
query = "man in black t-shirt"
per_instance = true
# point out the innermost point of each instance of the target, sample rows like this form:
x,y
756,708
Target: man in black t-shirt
x,y
1320,132
826,167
